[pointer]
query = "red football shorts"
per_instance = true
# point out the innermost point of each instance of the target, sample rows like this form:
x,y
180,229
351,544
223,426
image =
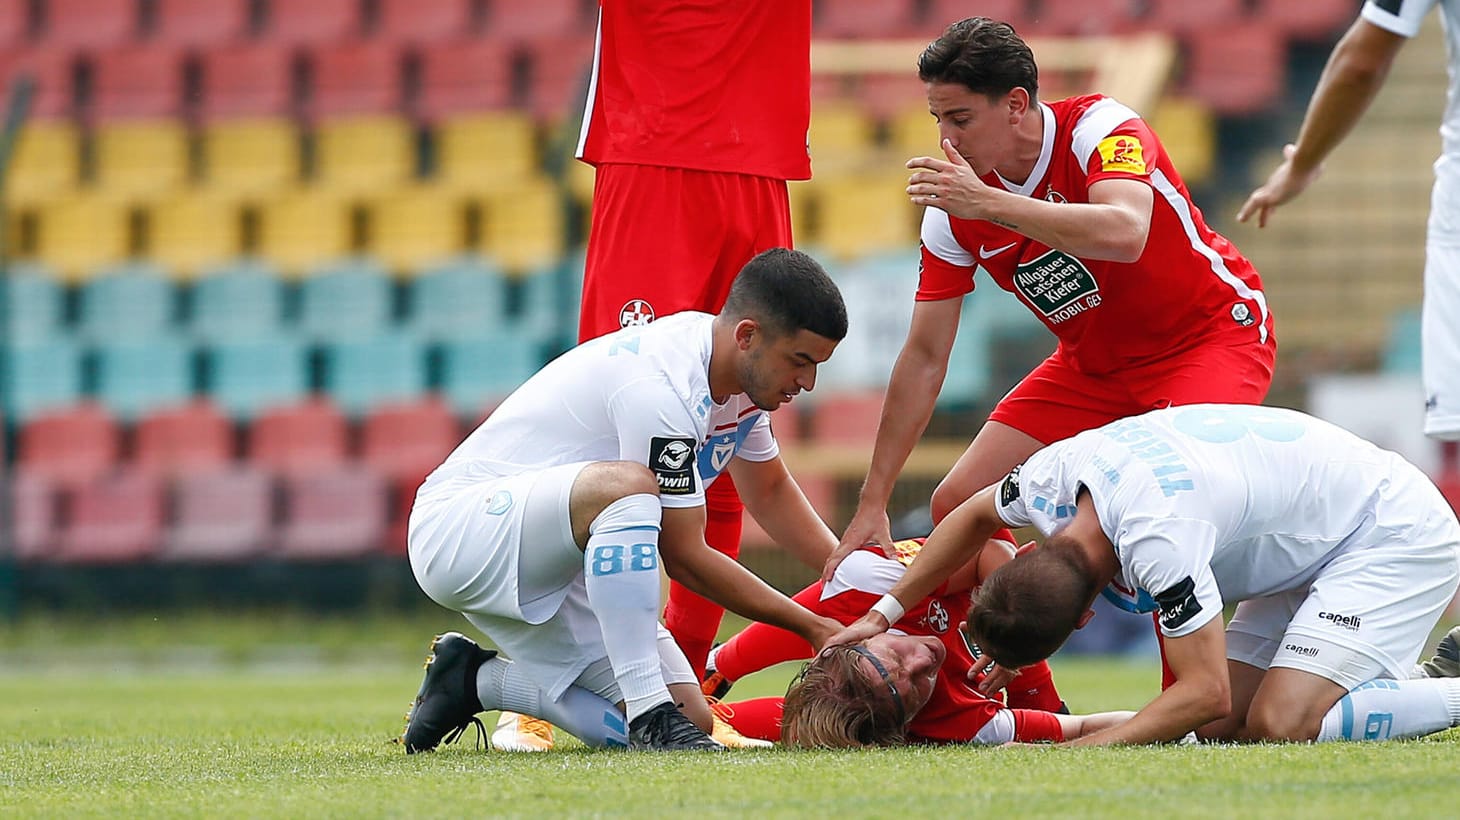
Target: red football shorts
x,y
670,239
1057,401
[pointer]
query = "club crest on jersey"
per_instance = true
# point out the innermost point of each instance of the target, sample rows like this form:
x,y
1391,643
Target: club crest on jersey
x,y
1242,315
499,503
1123,153
672,460
1056,197
938,617
634,313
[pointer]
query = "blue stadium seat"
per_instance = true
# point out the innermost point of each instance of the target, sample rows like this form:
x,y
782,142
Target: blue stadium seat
x,y
550,301
363,374
478,372
30,304
41,375
346,300
246,377
236,302
138,376
1402,350
968,363
126,302
458,298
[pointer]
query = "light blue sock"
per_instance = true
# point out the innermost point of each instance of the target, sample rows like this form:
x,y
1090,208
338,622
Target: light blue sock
x,y
1384,709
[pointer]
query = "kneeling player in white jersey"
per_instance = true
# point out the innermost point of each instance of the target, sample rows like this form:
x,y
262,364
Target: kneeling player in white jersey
x,y
545,528
1340,556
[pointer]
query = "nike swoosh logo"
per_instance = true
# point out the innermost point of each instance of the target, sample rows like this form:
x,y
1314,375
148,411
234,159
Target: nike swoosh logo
x,y
984,253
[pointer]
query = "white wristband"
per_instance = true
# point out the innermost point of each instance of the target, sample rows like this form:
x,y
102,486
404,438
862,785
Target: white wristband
x,y
888,607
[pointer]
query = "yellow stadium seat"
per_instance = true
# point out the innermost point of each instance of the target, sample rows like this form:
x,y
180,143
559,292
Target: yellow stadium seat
x,y
865,214
193,230
523,228
80,234
842,136
364,154
802,196
44,165
413,227
250,157
1188,130
486,150
304,227
912,132
141,158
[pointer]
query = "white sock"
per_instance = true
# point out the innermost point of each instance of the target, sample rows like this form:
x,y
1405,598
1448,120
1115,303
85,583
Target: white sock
x,y
710,659
1384,709
594,720
621,574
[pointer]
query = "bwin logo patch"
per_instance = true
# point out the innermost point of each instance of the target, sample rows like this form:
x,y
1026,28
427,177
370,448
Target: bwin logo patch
x,y
499,503
672,460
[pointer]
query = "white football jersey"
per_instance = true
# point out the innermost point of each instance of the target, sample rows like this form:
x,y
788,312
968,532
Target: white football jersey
x,y
1404,17
641,394
1210,503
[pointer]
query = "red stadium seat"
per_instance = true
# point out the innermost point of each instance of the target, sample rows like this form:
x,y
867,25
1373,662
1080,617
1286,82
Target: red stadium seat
x,y
201,23
414,22
535,19
558,77
69,447
1082,17
302,438
820,490
194,439
406,441
89,23
222,516
464,76
33,516
1311,20
135,81
1184,16
309,22
885,95
942,13
864,18
786,425
1237,70
115,519
246,80
50,69
14,23
336,514
847,418
358,77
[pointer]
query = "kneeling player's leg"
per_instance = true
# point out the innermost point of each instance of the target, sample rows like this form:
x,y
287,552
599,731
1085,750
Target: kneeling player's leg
x,y
692,619
1253,637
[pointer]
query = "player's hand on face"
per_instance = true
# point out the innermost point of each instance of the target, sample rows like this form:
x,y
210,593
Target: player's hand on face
x,y
950,184
860,630
1285,183
867,527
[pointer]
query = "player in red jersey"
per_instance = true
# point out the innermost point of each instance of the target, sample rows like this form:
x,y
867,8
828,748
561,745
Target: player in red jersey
x,y
853,695
1075,208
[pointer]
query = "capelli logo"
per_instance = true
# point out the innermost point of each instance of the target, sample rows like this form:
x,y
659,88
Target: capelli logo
x,y
1349,622
1305,651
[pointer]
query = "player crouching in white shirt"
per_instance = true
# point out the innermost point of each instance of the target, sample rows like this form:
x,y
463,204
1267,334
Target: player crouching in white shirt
x,y
545,528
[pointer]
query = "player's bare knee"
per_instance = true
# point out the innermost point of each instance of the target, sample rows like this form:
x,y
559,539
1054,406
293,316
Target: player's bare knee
x,y
602,483
1274,722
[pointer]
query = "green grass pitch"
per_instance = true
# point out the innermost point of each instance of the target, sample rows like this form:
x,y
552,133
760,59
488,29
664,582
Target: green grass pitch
x,y
290,717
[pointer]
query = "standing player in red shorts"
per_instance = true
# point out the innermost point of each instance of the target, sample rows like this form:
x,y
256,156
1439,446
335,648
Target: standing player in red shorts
x,y
697,116
1074,207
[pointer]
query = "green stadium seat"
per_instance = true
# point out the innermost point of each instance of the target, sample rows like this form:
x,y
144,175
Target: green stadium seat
x,y
30,303
457,298
1402,351
126,302
42,375
239,301
480,371
346,300
248,376
136,377
362,374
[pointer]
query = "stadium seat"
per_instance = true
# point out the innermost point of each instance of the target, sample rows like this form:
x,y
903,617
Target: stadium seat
x,y
69,446
136,81
114,519
141,158
362,374
557,76
416,226
330,515
486,150
1189,134
125,303
1182,17
841,136
365,154
30,304
464,76
1310,20
201,24
226,515
79,234
1237,70
524,226
295,439
786,425
941,13
248,376
303,228
457,299
307,22
344,301
248,79
969,366
406,440
866,214
416,23
14,23
354,78
88,24
51,71
912,131
45,164
142,375
478,372
883,96
250,157
1402,351
184,441
1080,17
241,301
550,301
519,20
864,18
34,507
193,230
42,376
848,419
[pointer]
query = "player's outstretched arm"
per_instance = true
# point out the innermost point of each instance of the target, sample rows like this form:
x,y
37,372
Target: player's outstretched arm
x,y
777,504
1355,72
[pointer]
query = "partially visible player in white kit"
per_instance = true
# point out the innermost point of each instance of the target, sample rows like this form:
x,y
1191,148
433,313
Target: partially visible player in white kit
x,y
1340,556
1353,77
545,528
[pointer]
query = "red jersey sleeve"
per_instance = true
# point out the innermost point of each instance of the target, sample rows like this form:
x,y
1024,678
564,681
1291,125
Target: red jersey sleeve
x,y
1130,151
946,267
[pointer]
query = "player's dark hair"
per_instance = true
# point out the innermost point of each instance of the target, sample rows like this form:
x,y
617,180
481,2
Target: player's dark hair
x,y
836,704
786,291
1026,608
983,55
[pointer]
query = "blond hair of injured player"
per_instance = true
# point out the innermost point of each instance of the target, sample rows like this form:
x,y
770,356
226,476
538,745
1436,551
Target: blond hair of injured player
x,y
546,527
1340,556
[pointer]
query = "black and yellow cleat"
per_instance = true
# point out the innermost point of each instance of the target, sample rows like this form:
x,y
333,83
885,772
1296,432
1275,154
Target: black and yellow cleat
x,y
665,729
447,701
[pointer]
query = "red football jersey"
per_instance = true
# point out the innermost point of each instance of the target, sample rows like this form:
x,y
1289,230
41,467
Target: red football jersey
x,y
702,84
1189,287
